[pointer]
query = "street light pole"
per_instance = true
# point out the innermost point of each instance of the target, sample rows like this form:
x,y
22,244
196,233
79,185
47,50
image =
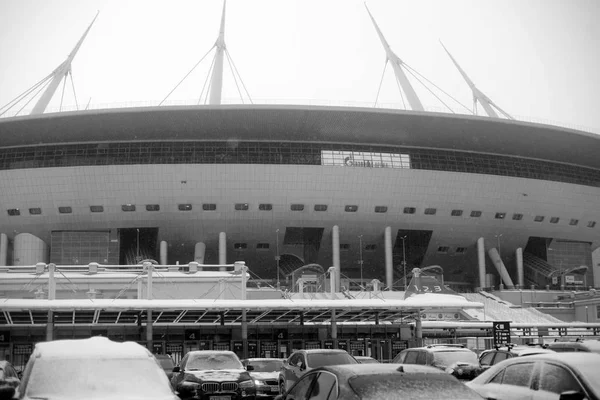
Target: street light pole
x,y
277,258
404,259
360,262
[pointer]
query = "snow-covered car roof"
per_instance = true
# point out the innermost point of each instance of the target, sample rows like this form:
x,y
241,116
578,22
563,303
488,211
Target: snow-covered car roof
x,y
93,347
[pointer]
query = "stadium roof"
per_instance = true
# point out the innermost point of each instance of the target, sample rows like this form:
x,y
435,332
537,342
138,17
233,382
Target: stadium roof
x,y
352,125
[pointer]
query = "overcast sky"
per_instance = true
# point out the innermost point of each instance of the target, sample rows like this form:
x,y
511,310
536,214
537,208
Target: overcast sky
x,y
537,59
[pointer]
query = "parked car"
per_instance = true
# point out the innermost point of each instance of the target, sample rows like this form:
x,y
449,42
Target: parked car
x,y
378,381
487,358
366,360
166,363
572,376
302,361
265,372
213,375
95,368
456,360
580,344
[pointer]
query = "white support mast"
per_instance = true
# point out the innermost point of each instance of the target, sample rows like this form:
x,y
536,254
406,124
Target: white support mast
x,y
397,63
58,74
478,95
216,81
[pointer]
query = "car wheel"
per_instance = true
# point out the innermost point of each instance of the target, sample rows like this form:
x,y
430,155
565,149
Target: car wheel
x,y
281,387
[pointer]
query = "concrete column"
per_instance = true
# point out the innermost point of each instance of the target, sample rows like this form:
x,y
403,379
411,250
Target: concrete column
x,y
3,249
163,253
495,256
389,266
244,270
520,273
419,330
333,325
481,261
51,296
199,252
335,249
149,267
222,249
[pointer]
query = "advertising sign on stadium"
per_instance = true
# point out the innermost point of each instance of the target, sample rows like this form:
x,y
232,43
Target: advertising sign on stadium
x,y
363,159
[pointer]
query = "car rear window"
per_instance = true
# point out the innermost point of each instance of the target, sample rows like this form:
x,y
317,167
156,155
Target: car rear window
x,y
410,386
443,359
316,360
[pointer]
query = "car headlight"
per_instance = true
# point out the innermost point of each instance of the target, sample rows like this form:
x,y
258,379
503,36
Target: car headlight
x,y
259,382
246,384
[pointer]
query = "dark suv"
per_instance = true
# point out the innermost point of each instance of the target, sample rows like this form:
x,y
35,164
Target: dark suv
x,y
487,358
302,361
457,360
212,374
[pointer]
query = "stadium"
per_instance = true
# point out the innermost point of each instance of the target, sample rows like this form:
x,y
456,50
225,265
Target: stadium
x,y
292,190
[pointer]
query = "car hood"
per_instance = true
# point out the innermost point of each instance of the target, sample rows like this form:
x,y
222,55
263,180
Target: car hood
x,y
221,375
264,375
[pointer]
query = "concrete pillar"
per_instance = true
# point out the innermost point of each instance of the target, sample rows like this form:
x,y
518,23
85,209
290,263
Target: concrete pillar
x,y
149,268
335,249
333,325
481,261
163,253
3,249
332,279
389,266
520,273
244,270
419,330
199,252
51,296
495,257
222,250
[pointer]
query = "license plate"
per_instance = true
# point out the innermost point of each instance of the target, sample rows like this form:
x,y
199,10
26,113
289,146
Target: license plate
x,y
220,398
274,388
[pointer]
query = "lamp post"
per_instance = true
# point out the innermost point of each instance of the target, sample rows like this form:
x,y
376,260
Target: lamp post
x,y
404,259
360,261
277,258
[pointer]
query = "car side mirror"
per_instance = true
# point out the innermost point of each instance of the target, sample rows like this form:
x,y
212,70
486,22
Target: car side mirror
x,y
176,369
572,395
7,392
249,368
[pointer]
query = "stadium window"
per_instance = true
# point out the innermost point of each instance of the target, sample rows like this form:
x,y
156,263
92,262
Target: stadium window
x,y
297,207
13,212
65,210
591,224
443,249
456,213
500,215
240,246
475,214
538,218
370,247
262,246
242,206
152,207
344,246
573,222
351,208
128,207
97,209
265,207
184,207
517,217
320,207
554,220
35,211
209,207
430,211
461,250
409,210
381,209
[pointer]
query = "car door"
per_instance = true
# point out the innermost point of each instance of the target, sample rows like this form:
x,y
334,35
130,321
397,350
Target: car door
x,y
513,382
554,380
300,390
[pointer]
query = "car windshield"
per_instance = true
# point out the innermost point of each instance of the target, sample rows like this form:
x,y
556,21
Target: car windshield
x,y
443,359
420,386
266,365
209,362
316,360
93,378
